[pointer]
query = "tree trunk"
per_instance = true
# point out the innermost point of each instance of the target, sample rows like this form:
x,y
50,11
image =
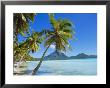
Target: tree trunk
x,y
16,67
19,63
36,68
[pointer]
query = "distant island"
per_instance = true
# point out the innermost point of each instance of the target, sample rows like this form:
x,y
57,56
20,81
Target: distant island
x,y
61,56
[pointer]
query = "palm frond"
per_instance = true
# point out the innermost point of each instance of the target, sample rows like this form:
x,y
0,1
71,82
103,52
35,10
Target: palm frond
x,y
21,22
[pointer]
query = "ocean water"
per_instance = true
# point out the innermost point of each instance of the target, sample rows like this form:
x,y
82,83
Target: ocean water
x,y
65,67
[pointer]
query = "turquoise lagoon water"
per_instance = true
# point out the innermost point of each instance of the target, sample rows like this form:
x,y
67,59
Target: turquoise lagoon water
x,y
65,67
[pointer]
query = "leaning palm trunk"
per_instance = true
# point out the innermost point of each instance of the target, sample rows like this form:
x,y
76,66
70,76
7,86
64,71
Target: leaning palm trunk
x,y
19,63
16,69
38,66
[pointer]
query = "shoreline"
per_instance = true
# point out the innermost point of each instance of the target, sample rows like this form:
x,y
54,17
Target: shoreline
x,y
66,59
21,70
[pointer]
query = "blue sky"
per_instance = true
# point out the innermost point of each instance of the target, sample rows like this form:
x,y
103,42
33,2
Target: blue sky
x,y
85,27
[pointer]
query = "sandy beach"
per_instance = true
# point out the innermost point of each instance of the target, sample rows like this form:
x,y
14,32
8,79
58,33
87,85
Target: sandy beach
x,y
21,70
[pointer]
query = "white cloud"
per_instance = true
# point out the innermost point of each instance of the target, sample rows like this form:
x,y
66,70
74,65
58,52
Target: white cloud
x,y
52,46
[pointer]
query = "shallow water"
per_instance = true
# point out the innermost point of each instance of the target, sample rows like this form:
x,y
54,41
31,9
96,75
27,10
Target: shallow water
x,y
65,67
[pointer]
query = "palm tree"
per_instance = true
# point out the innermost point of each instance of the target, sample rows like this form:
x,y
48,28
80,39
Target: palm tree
x,y
31,44
59,36
21,21
21,26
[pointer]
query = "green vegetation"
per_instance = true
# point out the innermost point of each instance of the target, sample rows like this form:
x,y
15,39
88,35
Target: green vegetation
x,y
59,35
22,49
21,26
